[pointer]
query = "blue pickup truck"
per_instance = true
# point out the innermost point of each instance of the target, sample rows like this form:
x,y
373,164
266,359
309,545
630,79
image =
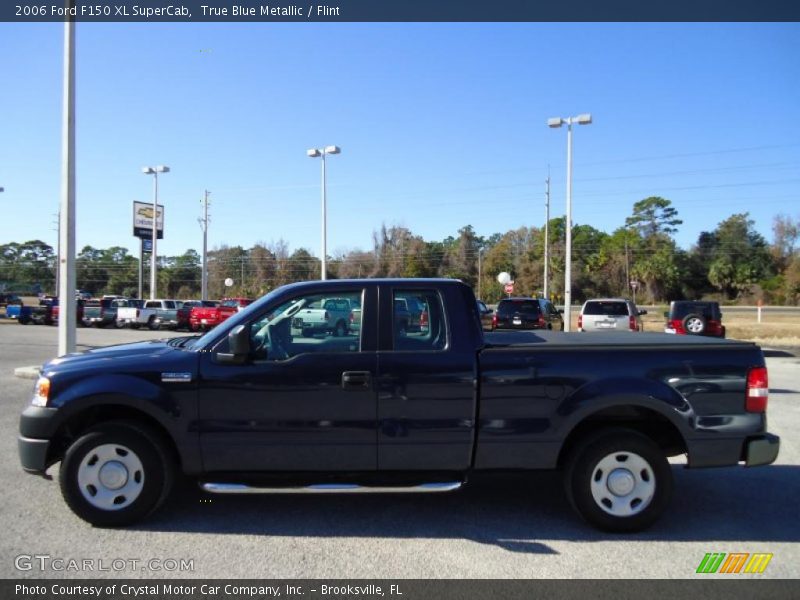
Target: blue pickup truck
x,y
248,407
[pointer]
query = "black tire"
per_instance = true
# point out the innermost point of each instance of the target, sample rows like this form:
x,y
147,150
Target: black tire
x,y
153,324
694,324
307,332
588,484
119,324
150,479
23,320
135,325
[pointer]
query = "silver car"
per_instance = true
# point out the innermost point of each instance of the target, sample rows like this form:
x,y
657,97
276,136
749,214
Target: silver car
x,y
610,314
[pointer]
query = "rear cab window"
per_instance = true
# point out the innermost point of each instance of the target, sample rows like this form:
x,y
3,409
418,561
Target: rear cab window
x,y
419,322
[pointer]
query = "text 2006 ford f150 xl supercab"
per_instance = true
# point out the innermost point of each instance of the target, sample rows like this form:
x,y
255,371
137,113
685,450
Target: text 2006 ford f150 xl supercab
x,y
247,407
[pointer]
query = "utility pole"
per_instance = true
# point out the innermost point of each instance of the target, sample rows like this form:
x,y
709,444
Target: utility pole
x,y
204,226
480,255
241,281
546,235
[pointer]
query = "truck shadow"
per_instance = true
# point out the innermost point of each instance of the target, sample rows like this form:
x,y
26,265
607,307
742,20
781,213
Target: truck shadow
x,y
518,514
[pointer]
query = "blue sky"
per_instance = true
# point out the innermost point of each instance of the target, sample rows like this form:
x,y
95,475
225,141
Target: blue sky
x,y
441,125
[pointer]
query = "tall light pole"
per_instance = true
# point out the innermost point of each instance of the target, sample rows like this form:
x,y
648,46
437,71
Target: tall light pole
x,y
317,153
584,119
154,171
66,244
547,236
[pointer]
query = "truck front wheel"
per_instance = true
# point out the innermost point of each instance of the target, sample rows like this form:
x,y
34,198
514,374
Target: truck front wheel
x,y
116,474
618,480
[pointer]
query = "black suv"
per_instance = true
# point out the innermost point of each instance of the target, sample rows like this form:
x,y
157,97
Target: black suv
x,y
689,317
527,313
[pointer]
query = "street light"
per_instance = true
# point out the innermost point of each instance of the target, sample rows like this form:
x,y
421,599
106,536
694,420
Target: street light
x,y
584,119
154,171
316,153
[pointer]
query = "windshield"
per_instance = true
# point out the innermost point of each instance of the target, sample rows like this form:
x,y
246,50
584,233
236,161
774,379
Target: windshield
x,y
238,318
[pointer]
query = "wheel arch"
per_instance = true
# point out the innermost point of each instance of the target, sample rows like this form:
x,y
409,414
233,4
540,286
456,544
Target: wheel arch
x,y
639,418
103,411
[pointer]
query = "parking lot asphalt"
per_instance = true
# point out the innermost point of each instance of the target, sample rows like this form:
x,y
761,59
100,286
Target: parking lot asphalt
x,y
497,527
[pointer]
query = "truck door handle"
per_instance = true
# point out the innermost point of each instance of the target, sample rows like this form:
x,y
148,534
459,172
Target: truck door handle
x,y
356,380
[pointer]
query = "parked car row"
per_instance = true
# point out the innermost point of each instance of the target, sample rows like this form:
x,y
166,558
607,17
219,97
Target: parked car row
x,y
121,312
684,317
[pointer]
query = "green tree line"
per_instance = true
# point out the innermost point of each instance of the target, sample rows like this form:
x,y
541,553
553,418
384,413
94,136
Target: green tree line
x,y
731,263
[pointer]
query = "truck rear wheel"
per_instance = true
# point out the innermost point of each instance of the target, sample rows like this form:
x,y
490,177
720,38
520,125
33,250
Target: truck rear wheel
x,y
115,474
618,480
153,323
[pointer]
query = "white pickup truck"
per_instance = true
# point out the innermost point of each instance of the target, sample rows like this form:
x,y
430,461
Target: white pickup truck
x,y
330,315
150,313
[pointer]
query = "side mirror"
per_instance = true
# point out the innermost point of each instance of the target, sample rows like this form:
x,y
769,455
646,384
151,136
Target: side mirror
x,y
561,311
642,312
666,314
239,346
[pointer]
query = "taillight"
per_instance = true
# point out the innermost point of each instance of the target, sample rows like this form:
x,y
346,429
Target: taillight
x,y
352,319
542,323
137,313
423,318
580,321
327,316
757,390
633,323
494,321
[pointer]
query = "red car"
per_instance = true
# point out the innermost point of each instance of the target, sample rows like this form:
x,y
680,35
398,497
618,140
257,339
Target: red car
x,y
78,309
206,317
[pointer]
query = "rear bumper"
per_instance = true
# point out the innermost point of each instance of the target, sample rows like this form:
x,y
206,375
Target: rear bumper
x,y
752,451
762,450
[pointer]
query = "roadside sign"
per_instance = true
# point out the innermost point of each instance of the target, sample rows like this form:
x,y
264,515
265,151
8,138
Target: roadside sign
x,y
509,288
143,220
147,245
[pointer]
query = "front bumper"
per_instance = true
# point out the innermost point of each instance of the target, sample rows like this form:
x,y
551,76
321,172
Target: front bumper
x,y
762,450
33,454
37,426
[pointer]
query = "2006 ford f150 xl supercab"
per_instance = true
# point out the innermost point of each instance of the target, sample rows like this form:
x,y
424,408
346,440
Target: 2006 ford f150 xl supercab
x,y
248,407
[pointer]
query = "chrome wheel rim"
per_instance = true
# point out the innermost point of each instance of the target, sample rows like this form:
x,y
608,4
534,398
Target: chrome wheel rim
x,y
623,484
111,477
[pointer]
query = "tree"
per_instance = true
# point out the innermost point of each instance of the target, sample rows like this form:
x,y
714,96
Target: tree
x,y
786,232
740,256
653,216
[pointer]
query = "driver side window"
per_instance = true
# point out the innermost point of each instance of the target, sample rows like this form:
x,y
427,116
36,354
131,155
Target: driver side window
x,y
315,323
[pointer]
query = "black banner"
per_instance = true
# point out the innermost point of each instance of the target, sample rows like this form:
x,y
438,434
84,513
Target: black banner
x,y
399,589
398,11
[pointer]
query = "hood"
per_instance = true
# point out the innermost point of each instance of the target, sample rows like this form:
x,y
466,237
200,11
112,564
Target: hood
x,y
114,358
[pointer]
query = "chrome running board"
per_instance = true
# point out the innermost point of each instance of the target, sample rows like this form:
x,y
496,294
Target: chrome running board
x,y
331,488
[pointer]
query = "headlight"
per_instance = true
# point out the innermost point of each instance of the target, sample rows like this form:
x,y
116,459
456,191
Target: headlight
x,y
41,392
